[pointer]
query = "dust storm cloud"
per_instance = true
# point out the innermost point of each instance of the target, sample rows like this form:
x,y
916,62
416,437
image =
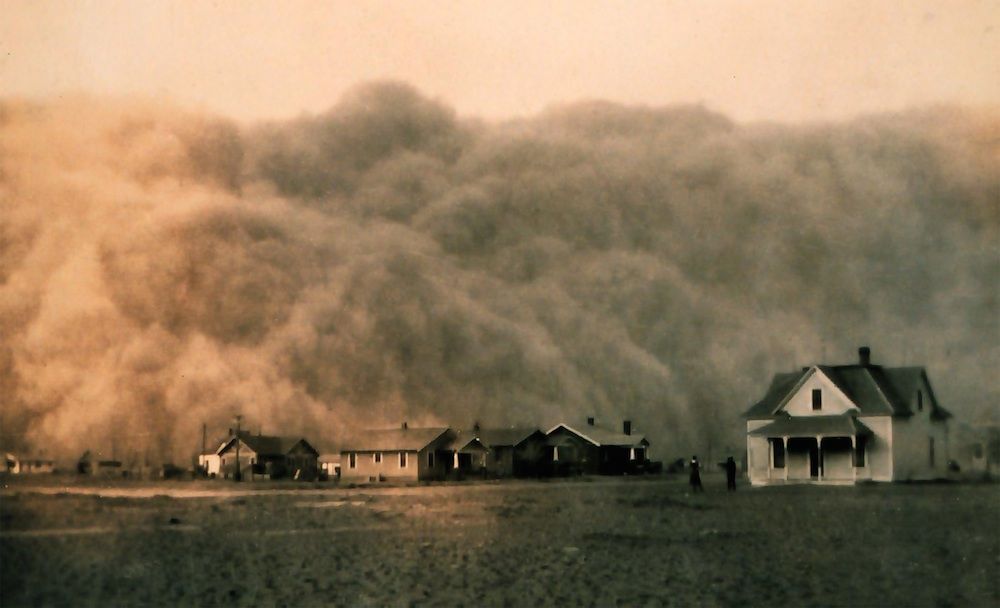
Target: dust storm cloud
x,y
389,260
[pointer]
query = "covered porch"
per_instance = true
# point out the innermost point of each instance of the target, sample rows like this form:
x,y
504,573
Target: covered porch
x,y
817,449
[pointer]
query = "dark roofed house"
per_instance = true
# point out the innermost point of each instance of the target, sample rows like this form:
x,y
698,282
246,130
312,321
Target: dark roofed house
x,y
403,454
513,452
497,452
268,457
840,424
594,449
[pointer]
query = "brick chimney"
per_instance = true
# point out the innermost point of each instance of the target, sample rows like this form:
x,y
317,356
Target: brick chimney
x,y
865,356
590,421
627,427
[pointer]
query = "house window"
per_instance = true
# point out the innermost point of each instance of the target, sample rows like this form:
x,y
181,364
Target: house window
x,y
778,454
352,461
631,454
859,452
378,457
430,459
817,399
402,460
930,450
920,401
555,453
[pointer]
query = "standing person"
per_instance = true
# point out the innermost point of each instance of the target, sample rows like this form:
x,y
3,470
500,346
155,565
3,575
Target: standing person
x,y
731,474
696,475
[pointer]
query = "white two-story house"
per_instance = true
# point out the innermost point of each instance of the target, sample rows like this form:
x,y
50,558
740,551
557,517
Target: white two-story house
x,y
847,423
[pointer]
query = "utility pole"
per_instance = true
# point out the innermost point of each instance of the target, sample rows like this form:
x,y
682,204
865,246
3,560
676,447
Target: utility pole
x,y
202,465
238,475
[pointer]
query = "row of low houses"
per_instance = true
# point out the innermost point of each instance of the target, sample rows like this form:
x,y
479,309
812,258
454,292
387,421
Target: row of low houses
x,y
27,465
433,453
831,424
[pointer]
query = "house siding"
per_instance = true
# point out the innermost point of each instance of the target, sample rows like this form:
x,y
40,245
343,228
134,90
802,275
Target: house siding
x,y
388,469
834,401
227,461
878,449
912,435
758,454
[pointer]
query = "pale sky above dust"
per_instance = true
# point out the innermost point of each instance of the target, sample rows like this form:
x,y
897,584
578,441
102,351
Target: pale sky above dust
x,y
785,61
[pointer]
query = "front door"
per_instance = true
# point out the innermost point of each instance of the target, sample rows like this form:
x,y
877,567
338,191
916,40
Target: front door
x,y
814,461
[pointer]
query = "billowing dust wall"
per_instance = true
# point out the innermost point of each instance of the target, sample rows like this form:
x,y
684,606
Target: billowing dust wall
x,y
389,261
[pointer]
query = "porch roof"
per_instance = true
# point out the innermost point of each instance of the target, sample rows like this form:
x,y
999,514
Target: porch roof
x,y
812,426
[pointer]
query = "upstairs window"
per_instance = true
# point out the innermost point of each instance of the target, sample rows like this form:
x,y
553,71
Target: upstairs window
x,y
352,461
402,460
817,399
378,457
430,459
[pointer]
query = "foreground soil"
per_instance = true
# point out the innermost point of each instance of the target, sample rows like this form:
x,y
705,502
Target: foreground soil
x,y
596,542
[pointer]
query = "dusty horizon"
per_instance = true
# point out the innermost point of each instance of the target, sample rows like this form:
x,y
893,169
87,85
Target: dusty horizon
x,y
386,260
326,215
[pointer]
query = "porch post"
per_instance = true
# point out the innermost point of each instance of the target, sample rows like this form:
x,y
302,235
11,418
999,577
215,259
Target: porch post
x,y
784,453
770,459
819,456
854,464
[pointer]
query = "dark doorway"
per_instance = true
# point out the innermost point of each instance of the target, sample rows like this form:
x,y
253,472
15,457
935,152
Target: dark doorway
x,y
814,460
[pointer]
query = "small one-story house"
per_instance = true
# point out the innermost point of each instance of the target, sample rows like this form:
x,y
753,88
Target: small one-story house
x,y
403,454
210,464
209,461
268,457
513,452
469,455
843,423
593,449
501,452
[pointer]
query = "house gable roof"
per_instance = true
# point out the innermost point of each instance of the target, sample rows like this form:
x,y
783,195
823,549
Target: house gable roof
x,y
266,445
390,440
506,437
492,438
603,437
874,389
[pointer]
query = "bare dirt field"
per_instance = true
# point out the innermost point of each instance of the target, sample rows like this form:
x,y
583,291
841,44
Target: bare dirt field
x,y
600,542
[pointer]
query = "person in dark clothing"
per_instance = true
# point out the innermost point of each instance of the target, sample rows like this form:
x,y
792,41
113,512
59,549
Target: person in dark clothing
x,y
731,474
696,475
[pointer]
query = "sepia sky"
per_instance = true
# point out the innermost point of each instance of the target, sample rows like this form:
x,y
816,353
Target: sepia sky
x,y
787,61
